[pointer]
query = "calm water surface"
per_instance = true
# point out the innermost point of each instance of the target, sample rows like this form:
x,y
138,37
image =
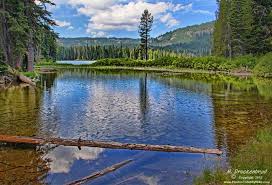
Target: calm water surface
x,y
136,107
76,62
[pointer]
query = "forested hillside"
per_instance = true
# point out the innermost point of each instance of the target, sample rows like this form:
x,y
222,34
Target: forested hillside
x,y
243,27
187,35
84,41
194,40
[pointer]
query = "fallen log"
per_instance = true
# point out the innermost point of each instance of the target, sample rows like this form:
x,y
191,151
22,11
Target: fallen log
x,y
21,77
25,79
105,144
100,173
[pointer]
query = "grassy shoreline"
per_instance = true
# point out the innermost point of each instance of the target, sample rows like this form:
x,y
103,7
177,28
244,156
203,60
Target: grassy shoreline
x,y
240,66
170,69
255,155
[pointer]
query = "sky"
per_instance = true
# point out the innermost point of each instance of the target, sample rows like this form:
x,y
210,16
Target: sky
x,y
120,18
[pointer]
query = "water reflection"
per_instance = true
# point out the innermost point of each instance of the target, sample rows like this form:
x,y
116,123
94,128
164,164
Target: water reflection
x,y
19,110
143,96
195,110
63,157
125,107
22,165
238,115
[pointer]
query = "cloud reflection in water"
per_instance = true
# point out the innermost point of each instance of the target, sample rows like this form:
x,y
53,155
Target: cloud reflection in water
x,y
63,158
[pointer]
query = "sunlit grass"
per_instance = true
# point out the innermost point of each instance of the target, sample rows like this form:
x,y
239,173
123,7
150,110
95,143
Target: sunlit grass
x,y
31,75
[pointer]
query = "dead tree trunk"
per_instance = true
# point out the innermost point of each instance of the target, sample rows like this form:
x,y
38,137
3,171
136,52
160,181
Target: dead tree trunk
x,y
106,144
21,77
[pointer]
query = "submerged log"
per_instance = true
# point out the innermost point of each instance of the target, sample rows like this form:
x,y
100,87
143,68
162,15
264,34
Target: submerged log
x,y
100,173
105,144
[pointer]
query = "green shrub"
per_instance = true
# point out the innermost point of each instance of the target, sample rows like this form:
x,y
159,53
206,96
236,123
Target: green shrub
x,y
31,75
3,68
164,61
44,62
264,67
201,63
183,62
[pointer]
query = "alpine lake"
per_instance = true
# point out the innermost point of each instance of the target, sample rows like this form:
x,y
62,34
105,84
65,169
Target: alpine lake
x,y
183,109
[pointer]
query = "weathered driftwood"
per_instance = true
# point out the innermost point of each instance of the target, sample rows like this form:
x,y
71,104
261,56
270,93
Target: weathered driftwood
x,y
100,173
21,77
25,79
105,144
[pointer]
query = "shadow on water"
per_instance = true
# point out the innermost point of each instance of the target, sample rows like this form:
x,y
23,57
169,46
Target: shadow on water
x,y
209,111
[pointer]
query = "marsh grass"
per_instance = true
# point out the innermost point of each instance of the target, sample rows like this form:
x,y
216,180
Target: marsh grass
x,y
264,66
256,155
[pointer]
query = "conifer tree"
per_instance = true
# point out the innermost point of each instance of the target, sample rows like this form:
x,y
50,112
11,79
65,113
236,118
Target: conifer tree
x,y
243,27
145,28
222,30
23,25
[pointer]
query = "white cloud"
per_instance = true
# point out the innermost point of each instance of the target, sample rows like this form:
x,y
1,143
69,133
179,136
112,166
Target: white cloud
x,y
63,24
108,15
169,20
203,12
70,28
189,8
180,7
97,33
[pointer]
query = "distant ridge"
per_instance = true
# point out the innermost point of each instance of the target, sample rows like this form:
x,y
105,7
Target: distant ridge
x,y
196,39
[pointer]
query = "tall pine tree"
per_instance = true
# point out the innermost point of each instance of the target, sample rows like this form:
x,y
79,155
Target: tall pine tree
x,y
144,31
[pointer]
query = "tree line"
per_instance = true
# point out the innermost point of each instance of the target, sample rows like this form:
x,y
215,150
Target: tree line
x,y
243,27
101,52
26,33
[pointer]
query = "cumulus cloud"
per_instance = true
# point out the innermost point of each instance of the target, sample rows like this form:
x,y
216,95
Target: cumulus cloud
x,y
125,16
108,15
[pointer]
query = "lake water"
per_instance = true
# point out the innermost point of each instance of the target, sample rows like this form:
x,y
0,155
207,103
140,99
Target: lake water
x,y
204,111
76,62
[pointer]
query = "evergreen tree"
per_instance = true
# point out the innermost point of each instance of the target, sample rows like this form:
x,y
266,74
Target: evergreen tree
x,y
145,28
262,31
243,27
23,25
241,21
221,45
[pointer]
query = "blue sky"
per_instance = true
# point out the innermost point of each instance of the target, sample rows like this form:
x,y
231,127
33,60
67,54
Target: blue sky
x,y
120,18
